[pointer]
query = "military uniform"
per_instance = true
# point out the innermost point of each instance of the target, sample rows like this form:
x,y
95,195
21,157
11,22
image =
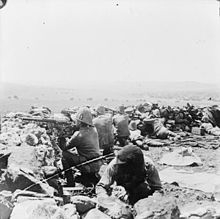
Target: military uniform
x,y
86,142
103,124
139,177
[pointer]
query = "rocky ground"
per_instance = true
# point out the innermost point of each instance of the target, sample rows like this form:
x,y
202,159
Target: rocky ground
x,y
189,169
188,199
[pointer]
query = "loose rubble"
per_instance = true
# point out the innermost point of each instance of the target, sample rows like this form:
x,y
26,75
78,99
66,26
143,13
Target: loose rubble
x,y
188,160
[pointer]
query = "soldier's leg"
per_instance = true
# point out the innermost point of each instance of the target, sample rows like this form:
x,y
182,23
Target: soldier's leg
x,y
107,149
69,160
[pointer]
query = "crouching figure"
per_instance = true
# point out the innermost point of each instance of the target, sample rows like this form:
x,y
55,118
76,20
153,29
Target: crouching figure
x,y
128,169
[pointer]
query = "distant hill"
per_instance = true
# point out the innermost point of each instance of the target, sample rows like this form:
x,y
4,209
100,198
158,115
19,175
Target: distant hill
x,y
20,97
113,88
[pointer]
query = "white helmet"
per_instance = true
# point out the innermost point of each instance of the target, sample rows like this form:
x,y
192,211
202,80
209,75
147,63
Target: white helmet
x,y
85,116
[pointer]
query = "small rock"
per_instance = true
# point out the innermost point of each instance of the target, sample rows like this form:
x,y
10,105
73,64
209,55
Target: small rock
x,y
49,170
70,211
158,206
145,215
217,196
4,154
166,148
83,203
215,146
31,139
114,208
96,214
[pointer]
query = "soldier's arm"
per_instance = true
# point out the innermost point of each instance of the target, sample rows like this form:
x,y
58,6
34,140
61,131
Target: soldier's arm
x,y
73,141
107,179
153,177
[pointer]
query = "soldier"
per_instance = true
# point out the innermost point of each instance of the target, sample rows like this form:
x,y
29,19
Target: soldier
x,y
212,114
155,127
121,121
135,134
128,169
87,145
103,124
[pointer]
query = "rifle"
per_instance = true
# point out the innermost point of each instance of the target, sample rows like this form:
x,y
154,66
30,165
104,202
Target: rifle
x,y
48,120
64,128
73,167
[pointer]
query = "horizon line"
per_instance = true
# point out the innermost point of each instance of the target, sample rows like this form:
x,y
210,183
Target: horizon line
x,y
59,85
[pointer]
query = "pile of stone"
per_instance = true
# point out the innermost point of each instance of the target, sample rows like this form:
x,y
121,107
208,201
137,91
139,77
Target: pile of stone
x,y
32,205
27,152
175,118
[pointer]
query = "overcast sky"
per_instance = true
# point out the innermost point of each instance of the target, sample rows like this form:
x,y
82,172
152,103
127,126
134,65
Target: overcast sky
x,y
61,42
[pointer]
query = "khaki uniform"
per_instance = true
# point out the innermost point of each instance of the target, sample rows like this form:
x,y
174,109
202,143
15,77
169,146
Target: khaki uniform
x,y
103,124
86,142
121,122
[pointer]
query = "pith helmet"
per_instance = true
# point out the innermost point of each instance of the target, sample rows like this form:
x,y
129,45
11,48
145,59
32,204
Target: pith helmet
x,y
85,116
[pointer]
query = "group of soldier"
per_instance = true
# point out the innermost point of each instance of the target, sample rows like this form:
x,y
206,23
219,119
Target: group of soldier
x,y
96,135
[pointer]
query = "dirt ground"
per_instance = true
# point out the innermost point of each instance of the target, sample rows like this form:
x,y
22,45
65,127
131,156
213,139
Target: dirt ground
x,y
208,150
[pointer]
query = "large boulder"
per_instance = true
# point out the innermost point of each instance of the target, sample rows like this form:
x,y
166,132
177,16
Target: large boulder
x,y
27,157
32,157
157,206
25,168
38,209
21,178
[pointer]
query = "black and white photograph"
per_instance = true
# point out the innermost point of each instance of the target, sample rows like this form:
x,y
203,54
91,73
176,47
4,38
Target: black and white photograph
x,y
109,109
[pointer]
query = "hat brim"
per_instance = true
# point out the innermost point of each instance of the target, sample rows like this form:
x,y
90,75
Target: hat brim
x,y
118,161
85,122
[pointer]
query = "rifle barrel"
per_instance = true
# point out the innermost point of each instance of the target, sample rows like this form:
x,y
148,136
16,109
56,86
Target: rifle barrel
x,y
47,120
